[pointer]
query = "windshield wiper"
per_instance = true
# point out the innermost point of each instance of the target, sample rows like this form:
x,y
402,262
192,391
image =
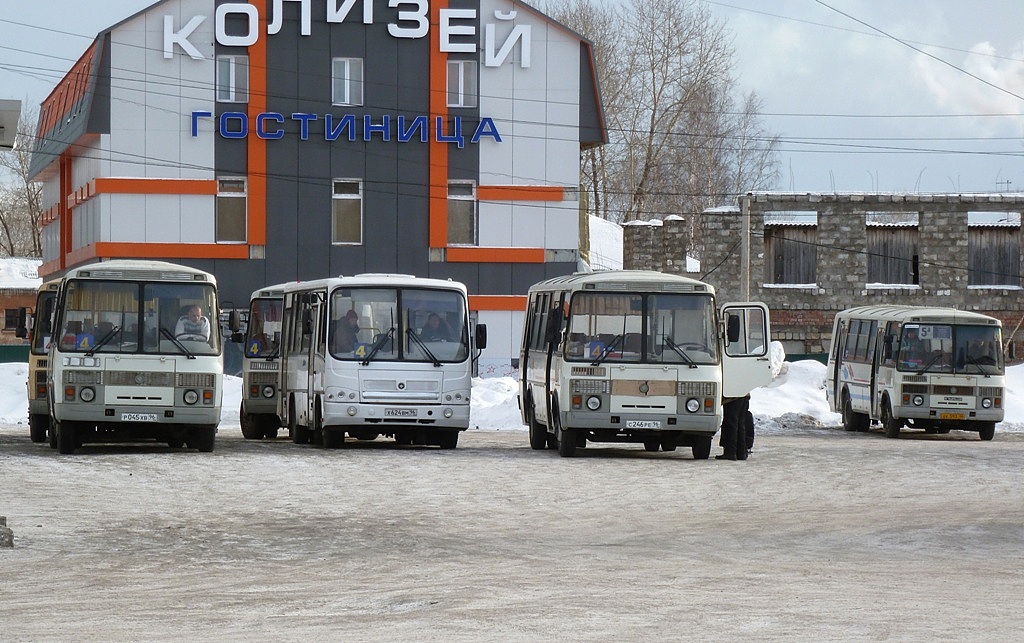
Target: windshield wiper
x,y
423,345
378,344
174,340
103,341
607,349
679,351
936,357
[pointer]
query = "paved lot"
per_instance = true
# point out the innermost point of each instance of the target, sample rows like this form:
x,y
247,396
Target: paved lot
x,y
820,535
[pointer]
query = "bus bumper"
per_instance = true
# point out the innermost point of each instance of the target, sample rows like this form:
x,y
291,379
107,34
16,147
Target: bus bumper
x,y
380,416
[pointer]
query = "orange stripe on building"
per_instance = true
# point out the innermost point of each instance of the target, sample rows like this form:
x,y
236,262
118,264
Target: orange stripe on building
x,y
127,250
438,151
256,147
495,255
497,302
520,193
202,187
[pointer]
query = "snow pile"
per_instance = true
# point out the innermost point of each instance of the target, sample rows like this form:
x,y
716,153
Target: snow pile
x,y
17,272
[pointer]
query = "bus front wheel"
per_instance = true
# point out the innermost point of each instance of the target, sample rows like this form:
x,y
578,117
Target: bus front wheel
x,y
701,447
38,423
987,431
300,434
250,430
889,423
66,438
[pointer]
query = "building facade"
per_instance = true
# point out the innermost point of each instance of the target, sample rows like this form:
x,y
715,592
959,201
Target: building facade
x,y
275,140
809,256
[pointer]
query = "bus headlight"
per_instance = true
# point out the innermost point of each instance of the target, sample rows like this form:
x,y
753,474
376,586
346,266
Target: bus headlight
x,y
268,391
693,405
593,402
986,403
191,397
87,394
918,400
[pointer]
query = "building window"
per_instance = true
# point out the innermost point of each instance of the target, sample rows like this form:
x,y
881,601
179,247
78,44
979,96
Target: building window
x,y
347,81
347,212
893,239
10,318
462,219
231,207
462,90
233,79
993,254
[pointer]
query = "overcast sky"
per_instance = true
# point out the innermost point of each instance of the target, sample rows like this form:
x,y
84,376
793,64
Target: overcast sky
x,y
934,106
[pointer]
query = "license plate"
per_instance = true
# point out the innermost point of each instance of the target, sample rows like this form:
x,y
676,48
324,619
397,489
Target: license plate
x,y
400,413
643,424
138,417
951,416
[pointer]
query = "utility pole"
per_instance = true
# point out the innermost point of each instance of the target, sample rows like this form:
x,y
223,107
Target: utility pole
x,y
745,248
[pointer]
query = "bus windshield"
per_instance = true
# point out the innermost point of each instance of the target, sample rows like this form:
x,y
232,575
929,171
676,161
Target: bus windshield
x,y
633,327
398,324
945,348
140,317
263,332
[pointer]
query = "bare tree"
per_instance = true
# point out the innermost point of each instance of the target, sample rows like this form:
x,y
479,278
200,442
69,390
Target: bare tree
x,y
678,141
20,199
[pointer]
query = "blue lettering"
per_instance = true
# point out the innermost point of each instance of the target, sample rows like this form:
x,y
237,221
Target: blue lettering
x,y
243,121
454,137
331,133
486,128
384,128
195,121
304,120
261,128
406,134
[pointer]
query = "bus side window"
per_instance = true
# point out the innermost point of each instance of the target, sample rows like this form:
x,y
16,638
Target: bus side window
x,y
888,343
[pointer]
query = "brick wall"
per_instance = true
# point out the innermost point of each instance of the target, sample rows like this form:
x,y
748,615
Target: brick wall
x,y
802,316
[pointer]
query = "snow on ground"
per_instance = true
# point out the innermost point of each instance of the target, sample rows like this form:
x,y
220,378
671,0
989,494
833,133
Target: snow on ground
x,y
793,402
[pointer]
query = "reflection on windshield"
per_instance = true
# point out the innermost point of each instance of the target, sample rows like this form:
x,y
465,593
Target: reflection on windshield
x,y
263,332
398,324
127,317
634,327
943,348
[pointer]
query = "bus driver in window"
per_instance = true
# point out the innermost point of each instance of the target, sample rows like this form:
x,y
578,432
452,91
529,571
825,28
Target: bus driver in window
x,y
193,325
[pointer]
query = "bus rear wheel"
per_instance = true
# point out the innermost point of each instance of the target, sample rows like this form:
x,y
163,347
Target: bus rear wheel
x,y
300,434
853,421
538,432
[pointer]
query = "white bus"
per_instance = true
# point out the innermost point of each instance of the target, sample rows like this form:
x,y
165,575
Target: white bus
x,y
375,354
261,360
635,356
907,366
36,328
136,354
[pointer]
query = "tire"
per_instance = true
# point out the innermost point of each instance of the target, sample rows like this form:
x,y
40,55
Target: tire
x,y
268,426
538,432
853,421
66,438
332,438
318,433
652,444
567,443
38,425
53,435
300,434
987,431
448,438
203,439
889,423
403,438
249,424
668,443
701,447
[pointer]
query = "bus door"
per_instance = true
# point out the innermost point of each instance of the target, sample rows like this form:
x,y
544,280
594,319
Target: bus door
x,y
318,316
836,361
745,361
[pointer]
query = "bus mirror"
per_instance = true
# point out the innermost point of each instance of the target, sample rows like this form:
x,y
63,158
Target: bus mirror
x,y
887,348
22,330
732,329
481,336
234,322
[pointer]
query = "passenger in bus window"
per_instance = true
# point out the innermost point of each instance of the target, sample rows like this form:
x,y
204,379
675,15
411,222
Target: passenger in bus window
x,y
346,333
912,348
193,325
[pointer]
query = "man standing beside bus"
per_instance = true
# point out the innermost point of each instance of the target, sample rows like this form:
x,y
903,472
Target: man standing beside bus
x,y
733,439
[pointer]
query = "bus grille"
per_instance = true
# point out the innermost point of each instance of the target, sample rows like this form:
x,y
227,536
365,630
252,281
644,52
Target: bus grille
x,y
83,377
262,365
263,378
990,391
915,389
138,378
695,388
953,390
200,380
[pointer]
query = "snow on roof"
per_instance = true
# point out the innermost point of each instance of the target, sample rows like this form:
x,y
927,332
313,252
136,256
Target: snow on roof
x,y
20,272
